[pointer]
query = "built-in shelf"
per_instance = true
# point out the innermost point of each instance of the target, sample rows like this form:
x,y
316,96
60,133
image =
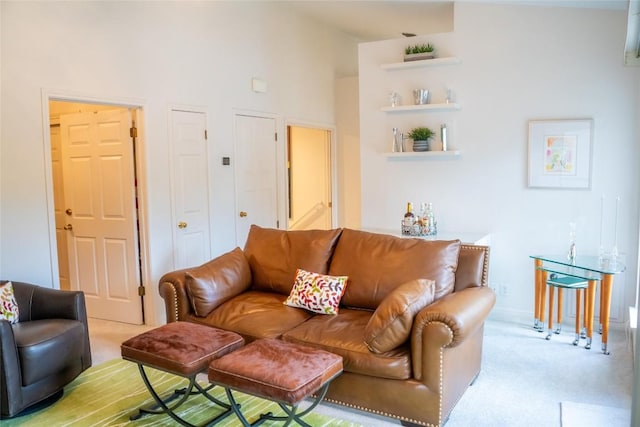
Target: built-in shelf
x,y
422,154
452,106
422,63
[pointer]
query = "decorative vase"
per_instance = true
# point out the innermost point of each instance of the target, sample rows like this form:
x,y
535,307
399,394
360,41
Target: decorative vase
x,y
421,145
419,56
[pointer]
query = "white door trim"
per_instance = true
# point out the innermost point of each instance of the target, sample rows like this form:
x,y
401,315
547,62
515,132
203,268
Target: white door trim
x,y
140,159
333,157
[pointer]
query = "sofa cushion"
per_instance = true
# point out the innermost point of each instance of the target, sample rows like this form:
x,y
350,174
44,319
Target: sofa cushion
x,y
8,306
315,292
36,340
254,315
216,281
391,323
343,334
377,263
275,255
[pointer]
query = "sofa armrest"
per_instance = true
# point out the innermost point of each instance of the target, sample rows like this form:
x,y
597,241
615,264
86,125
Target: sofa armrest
x,y
173,289
447,323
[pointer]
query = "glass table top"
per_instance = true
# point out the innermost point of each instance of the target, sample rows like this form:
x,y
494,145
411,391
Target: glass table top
x,y
584,262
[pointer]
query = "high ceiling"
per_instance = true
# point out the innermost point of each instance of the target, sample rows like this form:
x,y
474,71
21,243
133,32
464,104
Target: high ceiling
x,y
373,20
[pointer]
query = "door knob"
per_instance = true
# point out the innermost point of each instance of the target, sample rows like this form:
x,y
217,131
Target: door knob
x,y
68,227
182,224
68,212
243,214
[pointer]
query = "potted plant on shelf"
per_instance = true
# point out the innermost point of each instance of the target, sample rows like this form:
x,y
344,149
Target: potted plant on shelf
x,y
421,136
419,52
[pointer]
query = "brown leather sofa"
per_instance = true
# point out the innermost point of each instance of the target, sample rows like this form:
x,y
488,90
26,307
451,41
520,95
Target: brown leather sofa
x,y
410,347
45,350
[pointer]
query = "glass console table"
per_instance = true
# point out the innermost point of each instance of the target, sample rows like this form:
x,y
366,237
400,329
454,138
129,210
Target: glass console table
x,y
591,268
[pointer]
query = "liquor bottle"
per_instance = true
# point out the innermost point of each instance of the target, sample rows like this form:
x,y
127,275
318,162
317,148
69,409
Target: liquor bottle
x,y
430,220
409,218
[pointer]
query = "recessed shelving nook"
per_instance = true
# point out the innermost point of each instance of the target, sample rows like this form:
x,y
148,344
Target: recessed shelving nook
x,y
421,108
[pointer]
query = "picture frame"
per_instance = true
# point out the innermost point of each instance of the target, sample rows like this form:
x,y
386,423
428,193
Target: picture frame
x,y
560,153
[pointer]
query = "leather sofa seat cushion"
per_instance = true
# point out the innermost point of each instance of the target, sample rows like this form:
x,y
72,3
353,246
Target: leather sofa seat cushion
x,y
391,323
214,282
376,264
343,334
38,340
275,255
254,315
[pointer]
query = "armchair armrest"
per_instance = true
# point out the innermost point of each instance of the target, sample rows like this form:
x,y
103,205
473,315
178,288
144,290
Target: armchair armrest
x,y
10,373
447,323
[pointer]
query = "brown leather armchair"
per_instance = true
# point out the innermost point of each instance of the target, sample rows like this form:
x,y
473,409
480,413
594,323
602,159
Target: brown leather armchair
x,y
45,350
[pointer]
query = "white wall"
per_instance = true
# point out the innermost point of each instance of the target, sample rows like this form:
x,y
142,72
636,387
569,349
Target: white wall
x,y
157,55
519,63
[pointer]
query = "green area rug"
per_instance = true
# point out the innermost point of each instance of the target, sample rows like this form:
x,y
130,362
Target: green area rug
x,y
107,394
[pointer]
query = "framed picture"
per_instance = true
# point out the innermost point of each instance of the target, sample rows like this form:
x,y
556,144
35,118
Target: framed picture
x,y
560,153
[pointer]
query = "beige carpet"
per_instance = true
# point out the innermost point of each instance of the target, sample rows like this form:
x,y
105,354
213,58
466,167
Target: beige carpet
x,y
585,415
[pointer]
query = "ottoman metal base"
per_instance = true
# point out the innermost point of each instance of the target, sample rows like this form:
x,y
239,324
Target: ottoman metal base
x,y
279,371
184,349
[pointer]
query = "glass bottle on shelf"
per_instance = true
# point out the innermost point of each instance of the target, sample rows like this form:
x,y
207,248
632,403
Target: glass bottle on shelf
x,y
397,143
409,220
431,221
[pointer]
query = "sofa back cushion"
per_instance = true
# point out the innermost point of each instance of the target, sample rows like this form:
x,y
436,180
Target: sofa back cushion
x,y
275,255
216,281
391,323
377,263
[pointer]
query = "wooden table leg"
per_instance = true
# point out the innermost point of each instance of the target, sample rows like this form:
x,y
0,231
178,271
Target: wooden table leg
x,y
591,302
605,309
550,330
578,307
536,295
543,295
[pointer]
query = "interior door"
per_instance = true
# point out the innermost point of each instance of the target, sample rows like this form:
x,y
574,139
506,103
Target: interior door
x,y
58,196
190,176
309,154
255,174
101,221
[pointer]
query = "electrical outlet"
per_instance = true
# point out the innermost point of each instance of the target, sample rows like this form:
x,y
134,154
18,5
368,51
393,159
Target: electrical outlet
x,y
501,289
504,290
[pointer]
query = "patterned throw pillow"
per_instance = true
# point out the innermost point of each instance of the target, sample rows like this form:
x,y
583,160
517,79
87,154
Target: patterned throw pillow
x,y
8,305
317,292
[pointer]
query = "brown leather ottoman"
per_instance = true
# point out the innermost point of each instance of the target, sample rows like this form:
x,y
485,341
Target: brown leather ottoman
x,y
283,372
184,349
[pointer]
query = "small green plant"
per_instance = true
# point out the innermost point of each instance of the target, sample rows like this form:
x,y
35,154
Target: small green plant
x,y
421,134
419,48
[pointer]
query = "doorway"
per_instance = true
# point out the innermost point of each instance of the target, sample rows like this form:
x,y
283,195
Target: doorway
x,y
309,173
93,166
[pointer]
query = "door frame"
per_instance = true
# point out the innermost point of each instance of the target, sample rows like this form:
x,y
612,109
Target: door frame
x,y
148,305
333,162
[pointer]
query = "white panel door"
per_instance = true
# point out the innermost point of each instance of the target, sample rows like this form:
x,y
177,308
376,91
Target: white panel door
x,y
99,193
58,206
190,175
255,174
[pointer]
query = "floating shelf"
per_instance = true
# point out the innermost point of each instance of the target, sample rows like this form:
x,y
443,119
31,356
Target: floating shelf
x,y
425,107
422,63
416,154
